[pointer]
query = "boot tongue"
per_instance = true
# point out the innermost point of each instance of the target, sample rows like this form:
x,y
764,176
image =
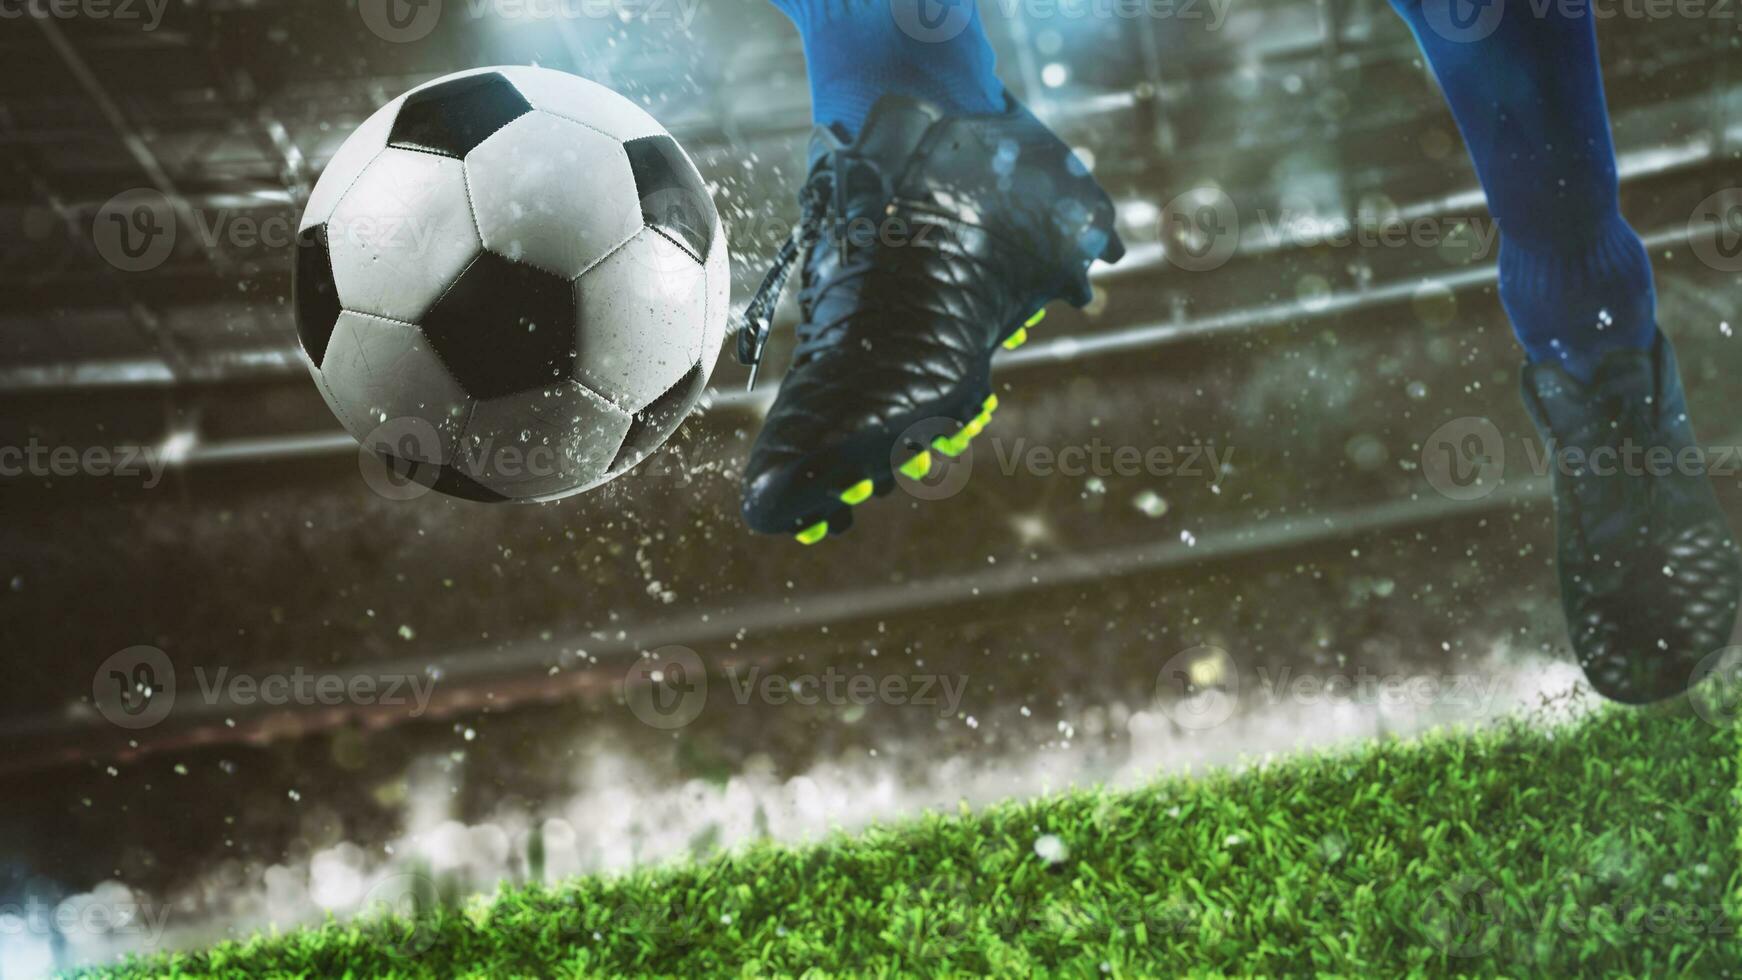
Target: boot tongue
x,y
864,171
824,141
889,137
894,130
1627,377
1573,411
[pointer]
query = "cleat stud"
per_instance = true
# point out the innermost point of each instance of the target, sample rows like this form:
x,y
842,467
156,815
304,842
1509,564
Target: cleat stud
x,y
948,447
969,431
858,493
1038,316
917,467
1016,339
990,405
811,535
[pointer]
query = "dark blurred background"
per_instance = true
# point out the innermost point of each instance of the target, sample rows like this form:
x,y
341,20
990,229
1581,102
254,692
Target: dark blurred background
x,y
1322,360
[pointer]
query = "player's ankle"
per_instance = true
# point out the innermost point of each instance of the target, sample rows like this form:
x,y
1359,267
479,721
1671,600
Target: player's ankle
x,y
858,53
1574,305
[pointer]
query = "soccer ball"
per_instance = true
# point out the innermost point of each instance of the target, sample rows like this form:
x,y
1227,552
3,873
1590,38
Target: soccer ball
x,y
511,284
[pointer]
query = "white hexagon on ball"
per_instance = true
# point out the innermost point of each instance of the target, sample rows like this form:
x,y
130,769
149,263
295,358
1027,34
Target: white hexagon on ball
x,y
400,234
529,204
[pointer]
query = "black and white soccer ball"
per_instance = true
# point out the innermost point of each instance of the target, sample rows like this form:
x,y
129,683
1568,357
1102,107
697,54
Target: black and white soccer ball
x,y
511,284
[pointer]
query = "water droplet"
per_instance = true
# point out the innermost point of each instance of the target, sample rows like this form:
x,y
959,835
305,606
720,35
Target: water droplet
x,y
1052,850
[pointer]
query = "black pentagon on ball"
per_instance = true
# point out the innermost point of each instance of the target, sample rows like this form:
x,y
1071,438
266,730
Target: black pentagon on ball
x,y
452,117
445,479
503,327
648,426
674,201
316,296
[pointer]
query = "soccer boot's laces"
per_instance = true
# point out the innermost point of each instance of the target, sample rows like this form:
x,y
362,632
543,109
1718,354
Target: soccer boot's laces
x,y
816,206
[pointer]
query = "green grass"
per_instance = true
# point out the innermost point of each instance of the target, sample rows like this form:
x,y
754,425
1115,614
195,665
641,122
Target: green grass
x,y
1606,845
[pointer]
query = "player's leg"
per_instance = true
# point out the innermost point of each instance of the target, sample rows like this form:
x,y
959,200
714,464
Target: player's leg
x,y
857,51
1527,93
1649,573
939,218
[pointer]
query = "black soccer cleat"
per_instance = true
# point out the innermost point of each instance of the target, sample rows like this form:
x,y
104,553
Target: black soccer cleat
x,y
1648,568
926,245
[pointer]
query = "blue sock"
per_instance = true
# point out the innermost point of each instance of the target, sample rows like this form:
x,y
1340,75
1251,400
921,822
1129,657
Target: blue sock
x,y
857,51
1527,92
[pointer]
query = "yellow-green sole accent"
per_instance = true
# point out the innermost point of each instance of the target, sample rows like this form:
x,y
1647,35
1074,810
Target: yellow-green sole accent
x,y
956,445
917,467
858,493
914,469
1020,337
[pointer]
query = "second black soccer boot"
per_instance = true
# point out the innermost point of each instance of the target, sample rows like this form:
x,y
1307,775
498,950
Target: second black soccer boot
x,y
1648,568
